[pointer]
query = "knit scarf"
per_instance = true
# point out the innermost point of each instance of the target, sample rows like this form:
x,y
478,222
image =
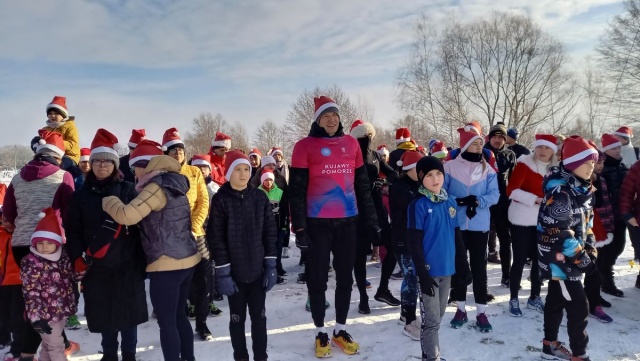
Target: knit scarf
x,y
407,146
435,198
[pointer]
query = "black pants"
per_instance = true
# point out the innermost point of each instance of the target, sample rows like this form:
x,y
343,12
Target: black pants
x,y
360,266
12,318
250,295
592,284
199,290
608,255
525,245
500,220
285,238
476,244
279,245
567,296
337,236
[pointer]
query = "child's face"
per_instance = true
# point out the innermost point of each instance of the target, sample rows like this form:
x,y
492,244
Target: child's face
x,y
54,117
206,171
268,183
585,170
433,181
46,247
598,167
240,177
85,167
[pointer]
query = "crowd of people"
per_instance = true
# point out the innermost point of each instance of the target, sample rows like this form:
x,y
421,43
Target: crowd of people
x,y
90,222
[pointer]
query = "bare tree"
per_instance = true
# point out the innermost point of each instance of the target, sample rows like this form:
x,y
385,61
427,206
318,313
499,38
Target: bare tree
x,y
14,156
270,135
239,137
203,131
594,101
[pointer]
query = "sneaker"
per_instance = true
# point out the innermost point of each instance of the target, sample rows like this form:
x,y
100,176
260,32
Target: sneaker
x,y
282,273
367,284
555,350
344,341
605,303
505,282
307,306
285,252
73,348
398,276
323,348
459,319
536,303
493,258
363,306
482,322
514,308
214,310
612,290
280,280
302,278
191,312
412,330
204,333
599,315
72,323
386,297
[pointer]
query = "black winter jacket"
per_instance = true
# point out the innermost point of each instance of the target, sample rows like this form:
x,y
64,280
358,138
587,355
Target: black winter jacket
x,y
126,170
613,173
519,150
505,162
114,297
241,231
401,193
394,157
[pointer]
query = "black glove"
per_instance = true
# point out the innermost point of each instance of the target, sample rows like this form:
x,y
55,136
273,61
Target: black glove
x,y
302,241
471,212
42,326
427,283
375,234
377,184
470,200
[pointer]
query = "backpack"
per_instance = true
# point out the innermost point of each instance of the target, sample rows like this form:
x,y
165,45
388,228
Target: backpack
x,y
107,249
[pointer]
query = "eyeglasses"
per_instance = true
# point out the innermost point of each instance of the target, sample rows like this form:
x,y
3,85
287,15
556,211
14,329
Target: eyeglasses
x,y
175,151
102,162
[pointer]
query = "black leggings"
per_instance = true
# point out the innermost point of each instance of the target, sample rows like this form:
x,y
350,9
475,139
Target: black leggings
x,y
360,265
199,290
476,244
525,244
608,255
501,224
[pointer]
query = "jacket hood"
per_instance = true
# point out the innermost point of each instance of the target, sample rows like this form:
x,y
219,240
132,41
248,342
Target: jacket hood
x,y
163,163
37,169
318,132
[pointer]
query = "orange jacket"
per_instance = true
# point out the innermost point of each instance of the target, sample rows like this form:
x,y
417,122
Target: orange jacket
x,y
9,269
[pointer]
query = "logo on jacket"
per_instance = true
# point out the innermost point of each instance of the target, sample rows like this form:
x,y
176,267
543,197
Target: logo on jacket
x,y
325,151
452,212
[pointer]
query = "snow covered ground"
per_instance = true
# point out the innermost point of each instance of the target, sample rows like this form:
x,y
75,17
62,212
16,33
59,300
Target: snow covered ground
x,y
291,331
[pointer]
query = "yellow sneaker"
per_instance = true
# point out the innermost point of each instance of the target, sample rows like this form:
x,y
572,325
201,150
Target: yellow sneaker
x,y
344,341
323,348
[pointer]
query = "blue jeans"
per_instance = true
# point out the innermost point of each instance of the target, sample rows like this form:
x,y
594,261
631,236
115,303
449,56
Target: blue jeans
x,y
168,291
409,290
129,339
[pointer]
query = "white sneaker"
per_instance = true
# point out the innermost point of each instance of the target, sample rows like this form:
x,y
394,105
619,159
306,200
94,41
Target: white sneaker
x,y
412,330
285,252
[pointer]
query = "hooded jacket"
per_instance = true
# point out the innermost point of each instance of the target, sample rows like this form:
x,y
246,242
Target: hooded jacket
x,y
70,136
198,197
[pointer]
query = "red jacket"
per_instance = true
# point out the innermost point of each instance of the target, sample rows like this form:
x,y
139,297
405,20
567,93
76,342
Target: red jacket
x,y
217,168
630,194
9,270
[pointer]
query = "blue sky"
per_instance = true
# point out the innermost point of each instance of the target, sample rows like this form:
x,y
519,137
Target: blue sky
x,y
155,64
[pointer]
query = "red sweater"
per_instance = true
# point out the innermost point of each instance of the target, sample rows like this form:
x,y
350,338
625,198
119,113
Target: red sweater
x,y
630,194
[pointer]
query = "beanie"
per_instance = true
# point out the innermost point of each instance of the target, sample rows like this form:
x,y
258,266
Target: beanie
x,y
427,164
498,129
324,104
513,133
233,159
409,159
576,151
268,160
102,147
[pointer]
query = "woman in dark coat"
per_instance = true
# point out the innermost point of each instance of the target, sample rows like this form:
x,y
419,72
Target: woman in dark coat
x,y
113,287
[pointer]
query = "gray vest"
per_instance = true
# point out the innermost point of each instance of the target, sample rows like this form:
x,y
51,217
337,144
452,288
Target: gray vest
x,y
167,232
31,198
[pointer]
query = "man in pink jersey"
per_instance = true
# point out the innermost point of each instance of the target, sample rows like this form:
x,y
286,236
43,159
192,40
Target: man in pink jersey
x,y
329,191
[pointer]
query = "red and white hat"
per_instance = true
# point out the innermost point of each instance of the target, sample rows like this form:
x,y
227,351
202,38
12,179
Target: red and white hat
x,y
624,132
402,135
171,139
268,160
576,151
145,151
548,140
439,150
267,174
103,147
274,150
324,104
473,126
409,159
468,134
49,228
361,129
233,159
84,154
609,141
222,140
59,104
50,142
256,152
201,159
137,135
382,150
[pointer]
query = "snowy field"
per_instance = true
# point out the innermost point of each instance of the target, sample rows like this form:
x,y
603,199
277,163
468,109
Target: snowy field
x,y
291,331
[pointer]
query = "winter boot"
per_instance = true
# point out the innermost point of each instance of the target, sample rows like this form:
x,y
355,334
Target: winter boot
x,y
363,307
555,350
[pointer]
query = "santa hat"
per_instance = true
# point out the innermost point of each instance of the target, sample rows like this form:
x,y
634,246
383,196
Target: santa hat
x,y
221,141
624,132
84,154
268,160
576,151
143,153
171,139
468,134
256,152
49,228
275,150
59,105
473,126
233,159
548,140
409,159
50,143
267,174
324,104
438,149
360,129
137,135
382,150
609,141
102,147
201,159
402,135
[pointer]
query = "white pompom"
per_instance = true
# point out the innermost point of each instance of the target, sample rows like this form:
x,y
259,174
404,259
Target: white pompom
x,y
42,141
467,128
176,134
164,149
399,163
41,215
